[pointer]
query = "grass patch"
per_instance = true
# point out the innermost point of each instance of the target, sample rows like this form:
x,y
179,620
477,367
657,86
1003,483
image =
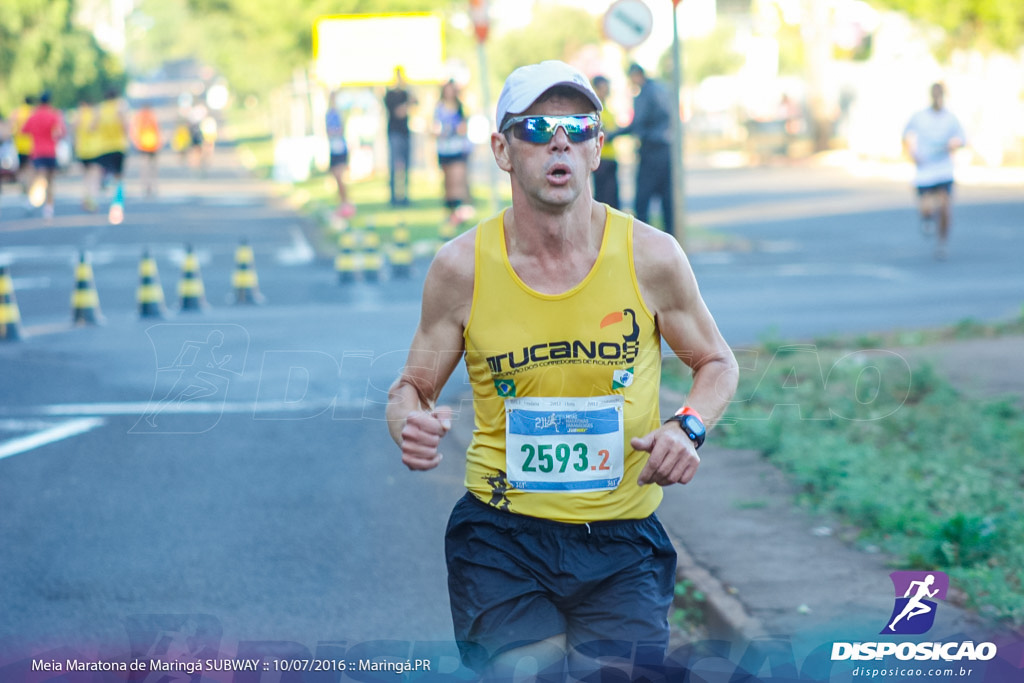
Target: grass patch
x,y
688,604
913,467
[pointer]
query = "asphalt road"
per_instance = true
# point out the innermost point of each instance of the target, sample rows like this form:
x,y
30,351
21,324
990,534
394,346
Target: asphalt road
x,y
222,482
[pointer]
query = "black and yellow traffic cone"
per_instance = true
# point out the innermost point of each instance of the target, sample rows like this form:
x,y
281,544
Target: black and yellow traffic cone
x,y
244,280
346,262
373,262
401,256
150,295
10,316
85,301
190,288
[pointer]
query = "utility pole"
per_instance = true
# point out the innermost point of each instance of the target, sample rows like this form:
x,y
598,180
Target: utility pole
x,y
678,137
481,23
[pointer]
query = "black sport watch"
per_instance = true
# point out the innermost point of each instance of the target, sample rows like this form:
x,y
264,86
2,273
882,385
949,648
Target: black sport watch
x,y
690,422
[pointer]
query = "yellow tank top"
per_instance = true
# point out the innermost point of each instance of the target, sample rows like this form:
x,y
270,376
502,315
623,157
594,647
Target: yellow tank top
x,y
109,134
598,339
86,142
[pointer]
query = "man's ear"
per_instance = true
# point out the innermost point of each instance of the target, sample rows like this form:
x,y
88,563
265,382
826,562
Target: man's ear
x,y
500,149
596,160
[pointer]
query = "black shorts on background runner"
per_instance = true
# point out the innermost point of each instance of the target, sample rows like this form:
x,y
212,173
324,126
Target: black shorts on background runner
x,y
514,580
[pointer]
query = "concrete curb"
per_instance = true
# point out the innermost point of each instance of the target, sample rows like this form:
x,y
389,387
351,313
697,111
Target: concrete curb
x,y
725,616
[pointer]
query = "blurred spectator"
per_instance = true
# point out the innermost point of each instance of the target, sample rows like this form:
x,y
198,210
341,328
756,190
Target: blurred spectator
x,y
397,101
606,177
652,126
339,154
46,127
930,138
453,147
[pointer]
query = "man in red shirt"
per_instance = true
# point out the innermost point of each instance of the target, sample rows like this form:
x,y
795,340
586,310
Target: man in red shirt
x,y
46,127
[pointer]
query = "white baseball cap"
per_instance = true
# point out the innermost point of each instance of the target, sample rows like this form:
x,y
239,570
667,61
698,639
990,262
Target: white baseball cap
x,y
527,83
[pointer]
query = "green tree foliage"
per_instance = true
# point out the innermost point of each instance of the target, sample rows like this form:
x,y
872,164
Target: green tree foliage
x,y
256,44
554,32
711,55
995,24
42,49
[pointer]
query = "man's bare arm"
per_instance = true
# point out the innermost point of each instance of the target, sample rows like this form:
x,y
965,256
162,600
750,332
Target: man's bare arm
x,y
415,421
670,290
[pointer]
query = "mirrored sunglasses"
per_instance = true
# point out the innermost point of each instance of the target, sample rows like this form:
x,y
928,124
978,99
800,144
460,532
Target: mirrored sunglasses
x,y
540,129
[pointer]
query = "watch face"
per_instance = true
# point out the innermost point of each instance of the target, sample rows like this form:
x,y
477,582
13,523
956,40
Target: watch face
x,y
694,425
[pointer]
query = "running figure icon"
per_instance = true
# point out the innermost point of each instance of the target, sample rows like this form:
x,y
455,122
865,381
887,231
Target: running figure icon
x,y
199,366
915,606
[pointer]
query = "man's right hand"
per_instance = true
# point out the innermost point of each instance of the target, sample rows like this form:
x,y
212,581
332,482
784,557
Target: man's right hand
x,y
421,436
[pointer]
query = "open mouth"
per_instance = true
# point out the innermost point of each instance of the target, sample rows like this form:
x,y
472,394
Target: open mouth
x,y
559,173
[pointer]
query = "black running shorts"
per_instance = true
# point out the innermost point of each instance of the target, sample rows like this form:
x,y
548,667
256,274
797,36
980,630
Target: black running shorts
x,y
514,580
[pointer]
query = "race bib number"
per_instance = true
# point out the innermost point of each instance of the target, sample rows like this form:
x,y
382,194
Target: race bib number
x,y
564,444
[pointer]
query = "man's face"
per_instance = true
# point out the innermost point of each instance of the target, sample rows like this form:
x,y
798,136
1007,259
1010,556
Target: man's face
x,y
937,95
554,174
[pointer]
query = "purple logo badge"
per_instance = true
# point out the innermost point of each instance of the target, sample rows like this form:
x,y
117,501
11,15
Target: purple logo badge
x,y
916,595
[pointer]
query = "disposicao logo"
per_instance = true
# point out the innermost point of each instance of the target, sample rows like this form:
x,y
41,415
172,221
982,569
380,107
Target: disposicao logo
x,y
913,614
916,595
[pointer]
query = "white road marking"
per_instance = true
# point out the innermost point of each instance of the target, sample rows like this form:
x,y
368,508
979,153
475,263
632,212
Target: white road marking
x,y
189,407
299,252
57,432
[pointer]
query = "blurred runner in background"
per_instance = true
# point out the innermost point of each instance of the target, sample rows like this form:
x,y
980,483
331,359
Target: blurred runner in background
x,y
46,127
453,147
111,129
147,139
930,138
86,151
339,154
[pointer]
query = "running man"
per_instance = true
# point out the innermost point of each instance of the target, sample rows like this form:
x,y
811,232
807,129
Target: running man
x,y
198,369
148,140
914,606
23,143
83,124
111,128
335,122
46,127
559,306
930,138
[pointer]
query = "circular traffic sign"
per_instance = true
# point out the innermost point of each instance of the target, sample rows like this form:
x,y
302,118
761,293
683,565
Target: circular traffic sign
x,y
628,22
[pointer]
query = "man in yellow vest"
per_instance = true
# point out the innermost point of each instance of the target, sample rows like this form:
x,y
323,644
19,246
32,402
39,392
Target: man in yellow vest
x,y
83,124
23,142
606,176
111,129
559,306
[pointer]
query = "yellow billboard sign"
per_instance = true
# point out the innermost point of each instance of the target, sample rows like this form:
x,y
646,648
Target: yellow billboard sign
x,y
365,49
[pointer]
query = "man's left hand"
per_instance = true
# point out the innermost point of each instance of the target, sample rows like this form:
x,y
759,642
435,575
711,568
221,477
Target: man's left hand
x,y
673,458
